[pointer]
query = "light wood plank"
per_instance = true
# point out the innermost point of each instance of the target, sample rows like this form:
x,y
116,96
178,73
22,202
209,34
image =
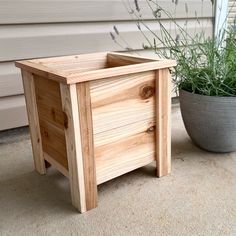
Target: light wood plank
x,y
41,70
53,142
118,71
86,127
49,101
51,119
124,149
36,139
117,101
74,147
163,121
25,11
123,119
56,164
75,76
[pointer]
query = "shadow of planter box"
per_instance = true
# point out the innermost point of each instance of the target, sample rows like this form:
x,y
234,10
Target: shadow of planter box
x,y
97,116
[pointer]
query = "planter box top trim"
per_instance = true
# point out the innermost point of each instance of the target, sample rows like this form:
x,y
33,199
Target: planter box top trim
x,y
87,67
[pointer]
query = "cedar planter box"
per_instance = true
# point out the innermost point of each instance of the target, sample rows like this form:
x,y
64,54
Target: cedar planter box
x,y
97,116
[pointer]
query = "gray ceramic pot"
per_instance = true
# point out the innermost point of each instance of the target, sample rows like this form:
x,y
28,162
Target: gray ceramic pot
x,y
210,121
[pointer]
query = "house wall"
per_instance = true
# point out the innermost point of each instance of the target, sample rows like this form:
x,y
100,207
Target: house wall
x,y
46,28
232,13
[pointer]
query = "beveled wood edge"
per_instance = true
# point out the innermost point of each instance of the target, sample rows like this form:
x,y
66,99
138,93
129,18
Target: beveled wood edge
x,y
39,69
34,126
163,122
73,146
56,164
87,144
121,70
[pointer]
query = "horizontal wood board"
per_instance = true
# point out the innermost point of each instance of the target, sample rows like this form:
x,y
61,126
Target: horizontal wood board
x,y
123,124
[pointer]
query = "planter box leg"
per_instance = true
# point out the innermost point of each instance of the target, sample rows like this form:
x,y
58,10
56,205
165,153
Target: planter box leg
x,y
30,98
163,122
79,145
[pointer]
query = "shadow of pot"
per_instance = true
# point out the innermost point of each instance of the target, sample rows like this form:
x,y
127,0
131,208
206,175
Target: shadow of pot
x,y
210,121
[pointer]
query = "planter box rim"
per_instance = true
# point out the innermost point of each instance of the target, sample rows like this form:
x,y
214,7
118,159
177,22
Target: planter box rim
x,y
140,64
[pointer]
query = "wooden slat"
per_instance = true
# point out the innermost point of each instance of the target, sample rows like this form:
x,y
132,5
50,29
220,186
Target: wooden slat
x,y
163,121
36,139
122,156
118,100
41,70
12,112
118,59
46,40
24,11
53,142
51,119
76,76
118,71
74,147
123,120
86,128
49,101
56,164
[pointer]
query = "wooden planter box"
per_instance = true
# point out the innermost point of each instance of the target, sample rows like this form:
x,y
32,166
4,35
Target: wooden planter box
x,y
97,116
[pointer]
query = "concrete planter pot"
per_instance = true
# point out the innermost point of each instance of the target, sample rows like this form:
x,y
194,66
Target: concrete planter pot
x,y
210,121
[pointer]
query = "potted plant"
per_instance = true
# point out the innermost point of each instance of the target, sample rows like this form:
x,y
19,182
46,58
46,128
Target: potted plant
x,y
205,77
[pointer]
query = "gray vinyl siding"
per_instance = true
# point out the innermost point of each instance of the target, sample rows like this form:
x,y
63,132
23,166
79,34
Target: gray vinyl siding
x,y
232,11
32,29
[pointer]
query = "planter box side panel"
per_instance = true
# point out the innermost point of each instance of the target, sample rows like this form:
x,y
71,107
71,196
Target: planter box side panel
x,y
51,120
123,111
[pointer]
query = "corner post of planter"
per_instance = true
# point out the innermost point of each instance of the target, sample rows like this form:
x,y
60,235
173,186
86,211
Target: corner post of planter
x,y
32,111
163,122
79,143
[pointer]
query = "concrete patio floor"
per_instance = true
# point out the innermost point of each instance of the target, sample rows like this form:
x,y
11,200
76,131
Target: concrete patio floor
x,y
198,198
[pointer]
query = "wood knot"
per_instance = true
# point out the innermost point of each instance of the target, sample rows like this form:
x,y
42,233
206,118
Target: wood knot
x,y
147,92
53,113
151,129
46,134
65,120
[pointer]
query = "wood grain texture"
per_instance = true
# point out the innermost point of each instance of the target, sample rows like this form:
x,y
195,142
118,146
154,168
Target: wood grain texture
x,y
51,119
41,70
56,164
45,67
36,139
53,142
163,121
78,77
73,146
86,128
115,59
123,112
49,101
118,101
129,148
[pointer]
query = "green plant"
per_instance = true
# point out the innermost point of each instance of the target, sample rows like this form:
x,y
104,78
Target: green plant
x,y
205,65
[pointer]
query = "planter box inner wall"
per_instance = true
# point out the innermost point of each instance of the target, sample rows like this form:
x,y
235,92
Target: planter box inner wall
x,y
94,117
